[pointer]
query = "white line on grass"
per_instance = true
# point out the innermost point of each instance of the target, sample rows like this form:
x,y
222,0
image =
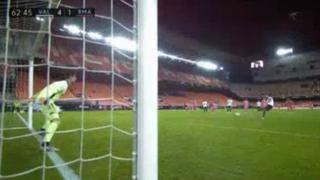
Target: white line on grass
x,y
317,137
260,131
65,171
268,131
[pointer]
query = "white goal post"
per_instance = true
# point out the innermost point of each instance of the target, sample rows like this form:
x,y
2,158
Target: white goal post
x,y
147,90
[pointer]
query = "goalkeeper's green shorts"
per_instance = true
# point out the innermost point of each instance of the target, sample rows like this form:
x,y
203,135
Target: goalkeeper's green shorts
x,y
53,116
50,111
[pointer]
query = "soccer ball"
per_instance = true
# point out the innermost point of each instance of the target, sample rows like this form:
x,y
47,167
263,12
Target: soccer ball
x,y
237,114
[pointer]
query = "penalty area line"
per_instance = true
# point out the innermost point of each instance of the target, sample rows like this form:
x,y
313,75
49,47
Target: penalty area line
x,y
65,171
260,131
269,132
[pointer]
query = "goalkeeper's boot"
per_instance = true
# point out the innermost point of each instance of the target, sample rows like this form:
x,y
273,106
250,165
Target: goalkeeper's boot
x,y
48,147
51,149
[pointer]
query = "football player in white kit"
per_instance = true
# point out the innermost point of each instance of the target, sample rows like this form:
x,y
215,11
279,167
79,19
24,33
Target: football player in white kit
x,y
270,104
229,105
205,106
258,106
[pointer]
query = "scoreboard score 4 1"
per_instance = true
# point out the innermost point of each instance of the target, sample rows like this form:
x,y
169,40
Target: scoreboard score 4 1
x,y
56,12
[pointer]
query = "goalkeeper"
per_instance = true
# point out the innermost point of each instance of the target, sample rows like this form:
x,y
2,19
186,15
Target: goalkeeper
x,y
17,107
46,98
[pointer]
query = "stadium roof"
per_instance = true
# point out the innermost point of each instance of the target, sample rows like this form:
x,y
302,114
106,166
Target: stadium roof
x,y
246,28
228,32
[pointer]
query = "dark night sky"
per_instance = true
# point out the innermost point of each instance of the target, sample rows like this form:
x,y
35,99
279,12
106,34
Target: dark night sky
x,y
246,28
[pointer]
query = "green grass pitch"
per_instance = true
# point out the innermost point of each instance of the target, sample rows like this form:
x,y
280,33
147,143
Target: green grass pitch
x,y
192,145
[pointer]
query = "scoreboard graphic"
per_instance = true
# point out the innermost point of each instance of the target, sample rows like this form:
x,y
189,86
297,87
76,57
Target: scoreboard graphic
x,y
56,12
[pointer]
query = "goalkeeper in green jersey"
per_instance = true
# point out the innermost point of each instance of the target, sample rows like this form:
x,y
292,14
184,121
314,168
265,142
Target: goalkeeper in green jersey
x,y
46,98
17,107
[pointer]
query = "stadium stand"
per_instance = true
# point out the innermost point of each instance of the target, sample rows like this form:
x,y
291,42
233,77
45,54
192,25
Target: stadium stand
x,y
293,89
123,92
268,80
99,93
298,66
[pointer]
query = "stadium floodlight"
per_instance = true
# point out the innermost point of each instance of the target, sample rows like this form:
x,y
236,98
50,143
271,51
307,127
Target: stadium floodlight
x,y
73,29
126,44
122,43
207,65
284,51
257,64
174,57
40,19
169,56
95,35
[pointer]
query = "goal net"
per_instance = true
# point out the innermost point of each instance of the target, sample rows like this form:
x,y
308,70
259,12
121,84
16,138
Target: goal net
x,y
96,134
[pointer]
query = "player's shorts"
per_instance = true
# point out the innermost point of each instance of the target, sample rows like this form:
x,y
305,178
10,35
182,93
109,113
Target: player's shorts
x,y
269,107
53,116
50,111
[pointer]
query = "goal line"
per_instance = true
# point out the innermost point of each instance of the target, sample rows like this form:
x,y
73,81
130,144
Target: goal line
x,y
64,170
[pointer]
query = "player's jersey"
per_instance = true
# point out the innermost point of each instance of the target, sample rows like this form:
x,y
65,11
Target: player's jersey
x,y
53,91
205,104
270,101
229,102
258,104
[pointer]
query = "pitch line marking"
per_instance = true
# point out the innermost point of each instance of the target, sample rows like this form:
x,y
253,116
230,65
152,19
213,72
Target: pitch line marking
x,y
269,132
260,131
65,171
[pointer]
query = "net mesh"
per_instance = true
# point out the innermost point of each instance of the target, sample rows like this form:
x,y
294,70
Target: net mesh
x,y
96,140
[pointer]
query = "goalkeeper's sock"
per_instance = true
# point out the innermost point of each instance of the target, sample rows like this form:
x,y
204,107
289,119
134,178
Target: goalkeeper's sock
x,y
45,144
42,132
